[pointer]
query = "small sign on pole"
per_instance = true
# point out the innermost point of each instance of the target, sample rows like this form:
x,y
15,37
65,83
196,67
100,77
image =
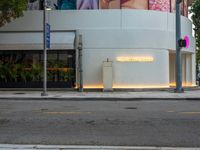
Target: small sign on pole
x,y
48,33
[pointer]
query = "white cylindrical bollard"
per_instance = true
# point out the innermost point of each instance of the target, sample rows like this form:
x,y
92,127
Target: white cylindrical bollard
x,y
107,76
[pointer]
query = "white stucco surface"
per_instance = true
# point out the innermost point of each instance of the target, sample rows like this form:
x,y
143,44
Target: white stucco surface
x,y
126,74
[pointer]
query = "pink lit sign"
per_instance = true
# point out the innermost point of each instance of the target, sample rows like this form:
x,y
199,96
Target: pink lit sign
x,y
186,38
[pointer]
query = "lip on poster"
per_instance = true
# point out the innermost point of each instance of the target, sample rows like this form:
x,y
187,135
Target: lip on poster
x,y
134,4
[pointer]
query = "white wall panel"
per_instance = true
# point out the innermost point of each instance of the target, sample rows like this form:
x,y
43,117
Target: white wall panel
x,y
144,19
82,19
34,41
126,74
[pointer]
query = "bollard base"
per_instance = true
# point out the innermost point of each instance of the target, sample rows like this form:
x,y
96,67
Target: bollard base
x,y
44,94
179,90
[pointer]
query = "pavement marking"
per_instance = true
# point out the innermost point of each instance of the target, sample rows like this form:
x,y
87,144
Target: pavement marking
x,y
85,147
171,111
190,113
66,113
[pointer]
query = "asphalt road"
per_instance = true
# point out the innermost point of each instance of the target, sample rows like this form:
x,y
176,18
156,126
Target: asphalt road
x,y
133,123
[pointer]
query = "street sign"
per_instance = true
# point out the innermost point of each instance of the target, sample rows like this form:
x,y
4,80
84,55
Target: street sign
x,y
48,32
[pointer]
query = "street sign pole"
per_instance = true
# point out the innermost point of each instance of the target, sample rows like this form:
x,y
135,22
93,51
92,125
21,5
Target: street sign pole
x,y
44,93
179,88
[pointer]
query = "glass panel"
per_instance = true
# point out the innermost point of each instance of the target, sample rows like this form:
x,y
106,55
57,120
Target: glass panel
x,y
27,66
19,66
161,5
134,4
109,4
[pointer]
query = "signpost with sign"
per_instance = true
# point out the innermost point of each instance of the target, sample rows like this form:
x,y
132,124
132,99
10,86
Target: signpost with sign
x,y
46,44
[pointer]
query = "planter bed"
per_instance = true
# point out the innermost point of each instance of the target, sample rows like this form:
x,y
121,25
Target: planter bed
x,y
36,84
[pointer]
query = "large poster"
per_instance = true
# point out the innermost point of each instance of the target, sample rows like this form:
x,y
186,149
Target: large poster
x,y
161,5
109,4
53,4
33,5
134,4
186,8
66,4
173,7
87,4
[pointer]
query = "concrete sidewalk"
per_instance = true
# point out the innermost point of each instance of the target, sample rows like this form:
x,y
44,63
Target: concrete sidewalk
x,y
118,95
84,147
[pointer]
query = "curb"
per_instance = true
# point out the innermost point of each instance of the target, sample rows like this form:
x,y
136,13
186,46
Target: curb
x,y
100,98
85,147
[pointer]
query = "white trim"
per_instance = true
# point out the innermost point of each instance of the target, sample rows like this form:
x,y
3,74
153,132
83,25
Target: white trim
x,y
34,41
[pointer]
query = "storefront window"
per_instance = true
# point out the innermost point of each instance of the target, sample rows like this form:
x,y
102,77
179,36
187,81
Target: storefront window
x,y
26,67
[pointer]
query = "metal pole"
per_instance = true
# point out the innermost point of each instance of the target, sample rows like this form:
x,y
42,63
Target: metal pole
x,y
179,88
44,93
80,49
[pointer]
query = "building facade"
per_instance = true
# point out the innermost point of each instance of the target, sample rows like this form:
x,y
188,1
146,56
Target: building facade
x,y
137,36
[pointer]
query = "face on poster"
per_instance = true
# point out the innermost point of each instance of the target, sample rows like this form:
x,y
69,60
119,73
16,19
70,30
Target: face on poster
x,y
87,4
109,4
160,5
134,4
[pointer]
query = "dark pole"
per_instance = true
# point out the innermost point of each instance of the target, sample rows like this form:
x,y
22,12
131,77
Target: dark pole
x,y
179,88
80,49
44,93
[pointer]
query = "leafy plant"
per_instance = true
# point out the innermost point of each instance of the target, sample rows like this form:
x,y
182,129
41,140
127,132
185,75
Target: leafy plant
x,y
67,75
11,9
36,72
3,76
195,9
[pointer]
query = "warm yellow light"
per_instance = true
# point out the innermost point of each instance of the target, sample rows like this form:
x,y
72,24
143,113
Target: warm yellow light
x,y
139,86
136,59
48,8
93,86
126,86
184,84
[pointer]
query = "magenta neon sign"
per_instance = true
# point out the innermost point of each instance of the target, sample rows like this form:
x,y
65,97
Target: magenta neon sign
x,y
186,38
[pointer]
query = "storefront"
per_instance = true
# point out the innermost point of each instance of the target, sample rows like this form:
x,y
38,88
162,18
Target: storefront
x,y
21,60
139,42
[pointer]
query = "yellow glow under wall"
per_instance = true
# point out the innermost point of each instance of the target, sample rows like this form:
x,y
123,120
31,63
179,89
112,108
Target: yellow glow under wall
x,y
135,59
125,86
184,84
137,86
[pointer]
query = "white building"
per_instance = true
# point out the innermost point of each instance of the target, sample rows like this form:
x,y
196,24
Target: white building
x,y
140,44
